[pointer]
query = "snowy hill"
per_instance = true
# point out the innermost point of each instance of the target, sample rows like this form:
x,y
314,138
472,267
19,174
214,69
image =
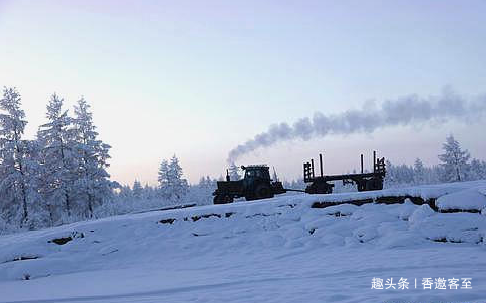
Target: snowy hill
x,y
292,248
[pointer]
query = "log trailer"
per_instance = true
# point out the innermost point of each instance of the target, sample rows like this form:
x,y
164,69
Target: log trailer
x,y
364,181
257,183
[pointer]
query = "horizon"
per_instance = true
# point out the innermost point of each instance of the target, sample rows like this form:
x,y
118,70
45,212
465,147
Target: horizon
x,y
196,79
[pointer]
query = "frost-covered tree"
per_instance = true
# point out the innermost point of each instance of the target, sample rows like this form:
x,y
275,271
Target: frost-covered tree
x,y
179,184
39,215
455,160
171,184
418,172
15,159
92,185
57,158
149,192
207,183
234,172
12,149
401,175
294,184
137,190
477,170
163,177
398,175
125,192
201,193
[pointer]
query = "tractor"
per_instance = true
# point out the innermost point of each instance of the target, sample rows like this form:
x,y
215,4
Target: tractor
x,y
255,185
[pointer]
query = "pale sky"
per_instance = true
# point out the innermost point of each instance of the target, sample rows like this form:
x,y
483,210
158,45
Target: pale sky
x,y
196,78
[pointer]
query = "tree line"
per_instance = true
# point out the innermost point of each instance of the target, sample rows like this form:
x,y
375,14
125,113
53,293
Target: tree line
x,y
61,175
456,165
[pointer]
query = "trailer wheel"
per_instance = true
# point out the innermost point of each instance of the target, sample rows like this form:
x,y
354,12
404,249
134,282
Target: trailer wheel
x,y
374,184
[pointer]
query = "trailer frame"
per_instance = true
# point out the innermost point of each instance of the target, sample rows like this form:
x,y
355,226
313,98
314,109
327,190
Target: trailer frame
x,y
364,181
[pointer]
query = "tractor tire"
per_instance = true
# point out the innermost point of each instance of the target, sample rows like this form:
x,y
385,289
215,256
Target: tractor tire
x,y
222,199
228,199
263,192
250,198
217,199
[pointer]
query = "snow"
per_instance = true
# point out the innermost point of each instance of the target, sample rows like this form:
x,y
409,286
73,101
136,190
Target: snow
x,y
468,199
273,250
423,191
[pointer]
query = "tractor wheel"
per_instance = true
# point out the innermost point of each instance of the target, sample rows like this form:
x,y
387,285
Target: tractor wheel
x,y
228,199
250,197
222,199
263,192
217,200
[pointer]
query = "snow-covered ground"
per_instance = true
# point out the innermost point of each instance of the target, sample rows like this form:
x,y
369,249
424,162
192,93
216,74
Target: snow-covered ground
x,y
274,250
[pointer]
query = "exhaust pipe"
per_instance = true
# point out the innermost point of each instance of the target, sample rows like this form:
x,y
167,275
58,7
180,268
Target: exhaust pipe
x,y
374,161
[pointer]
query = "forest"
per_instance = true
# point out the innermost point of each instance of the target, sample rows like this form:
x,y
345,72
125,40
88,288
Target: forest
x,y
61,175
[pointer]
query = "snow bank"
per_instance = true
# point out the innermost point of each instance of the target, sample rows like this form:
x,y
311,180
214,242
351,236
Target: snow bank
x,y
472,199
280,222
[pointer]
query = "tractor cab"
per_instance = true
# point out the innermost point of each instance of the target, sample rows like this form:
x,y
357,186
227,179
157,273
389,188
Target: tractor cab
x,y
256,172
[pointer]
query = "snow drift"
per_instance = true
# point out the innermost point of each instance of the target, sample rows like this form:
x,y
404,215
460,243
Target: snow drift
x,y
275,250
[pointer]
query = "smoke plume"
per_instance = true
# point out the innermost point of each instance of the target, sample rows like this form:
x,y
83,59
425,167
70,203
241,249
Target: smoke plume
x,y
409,110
